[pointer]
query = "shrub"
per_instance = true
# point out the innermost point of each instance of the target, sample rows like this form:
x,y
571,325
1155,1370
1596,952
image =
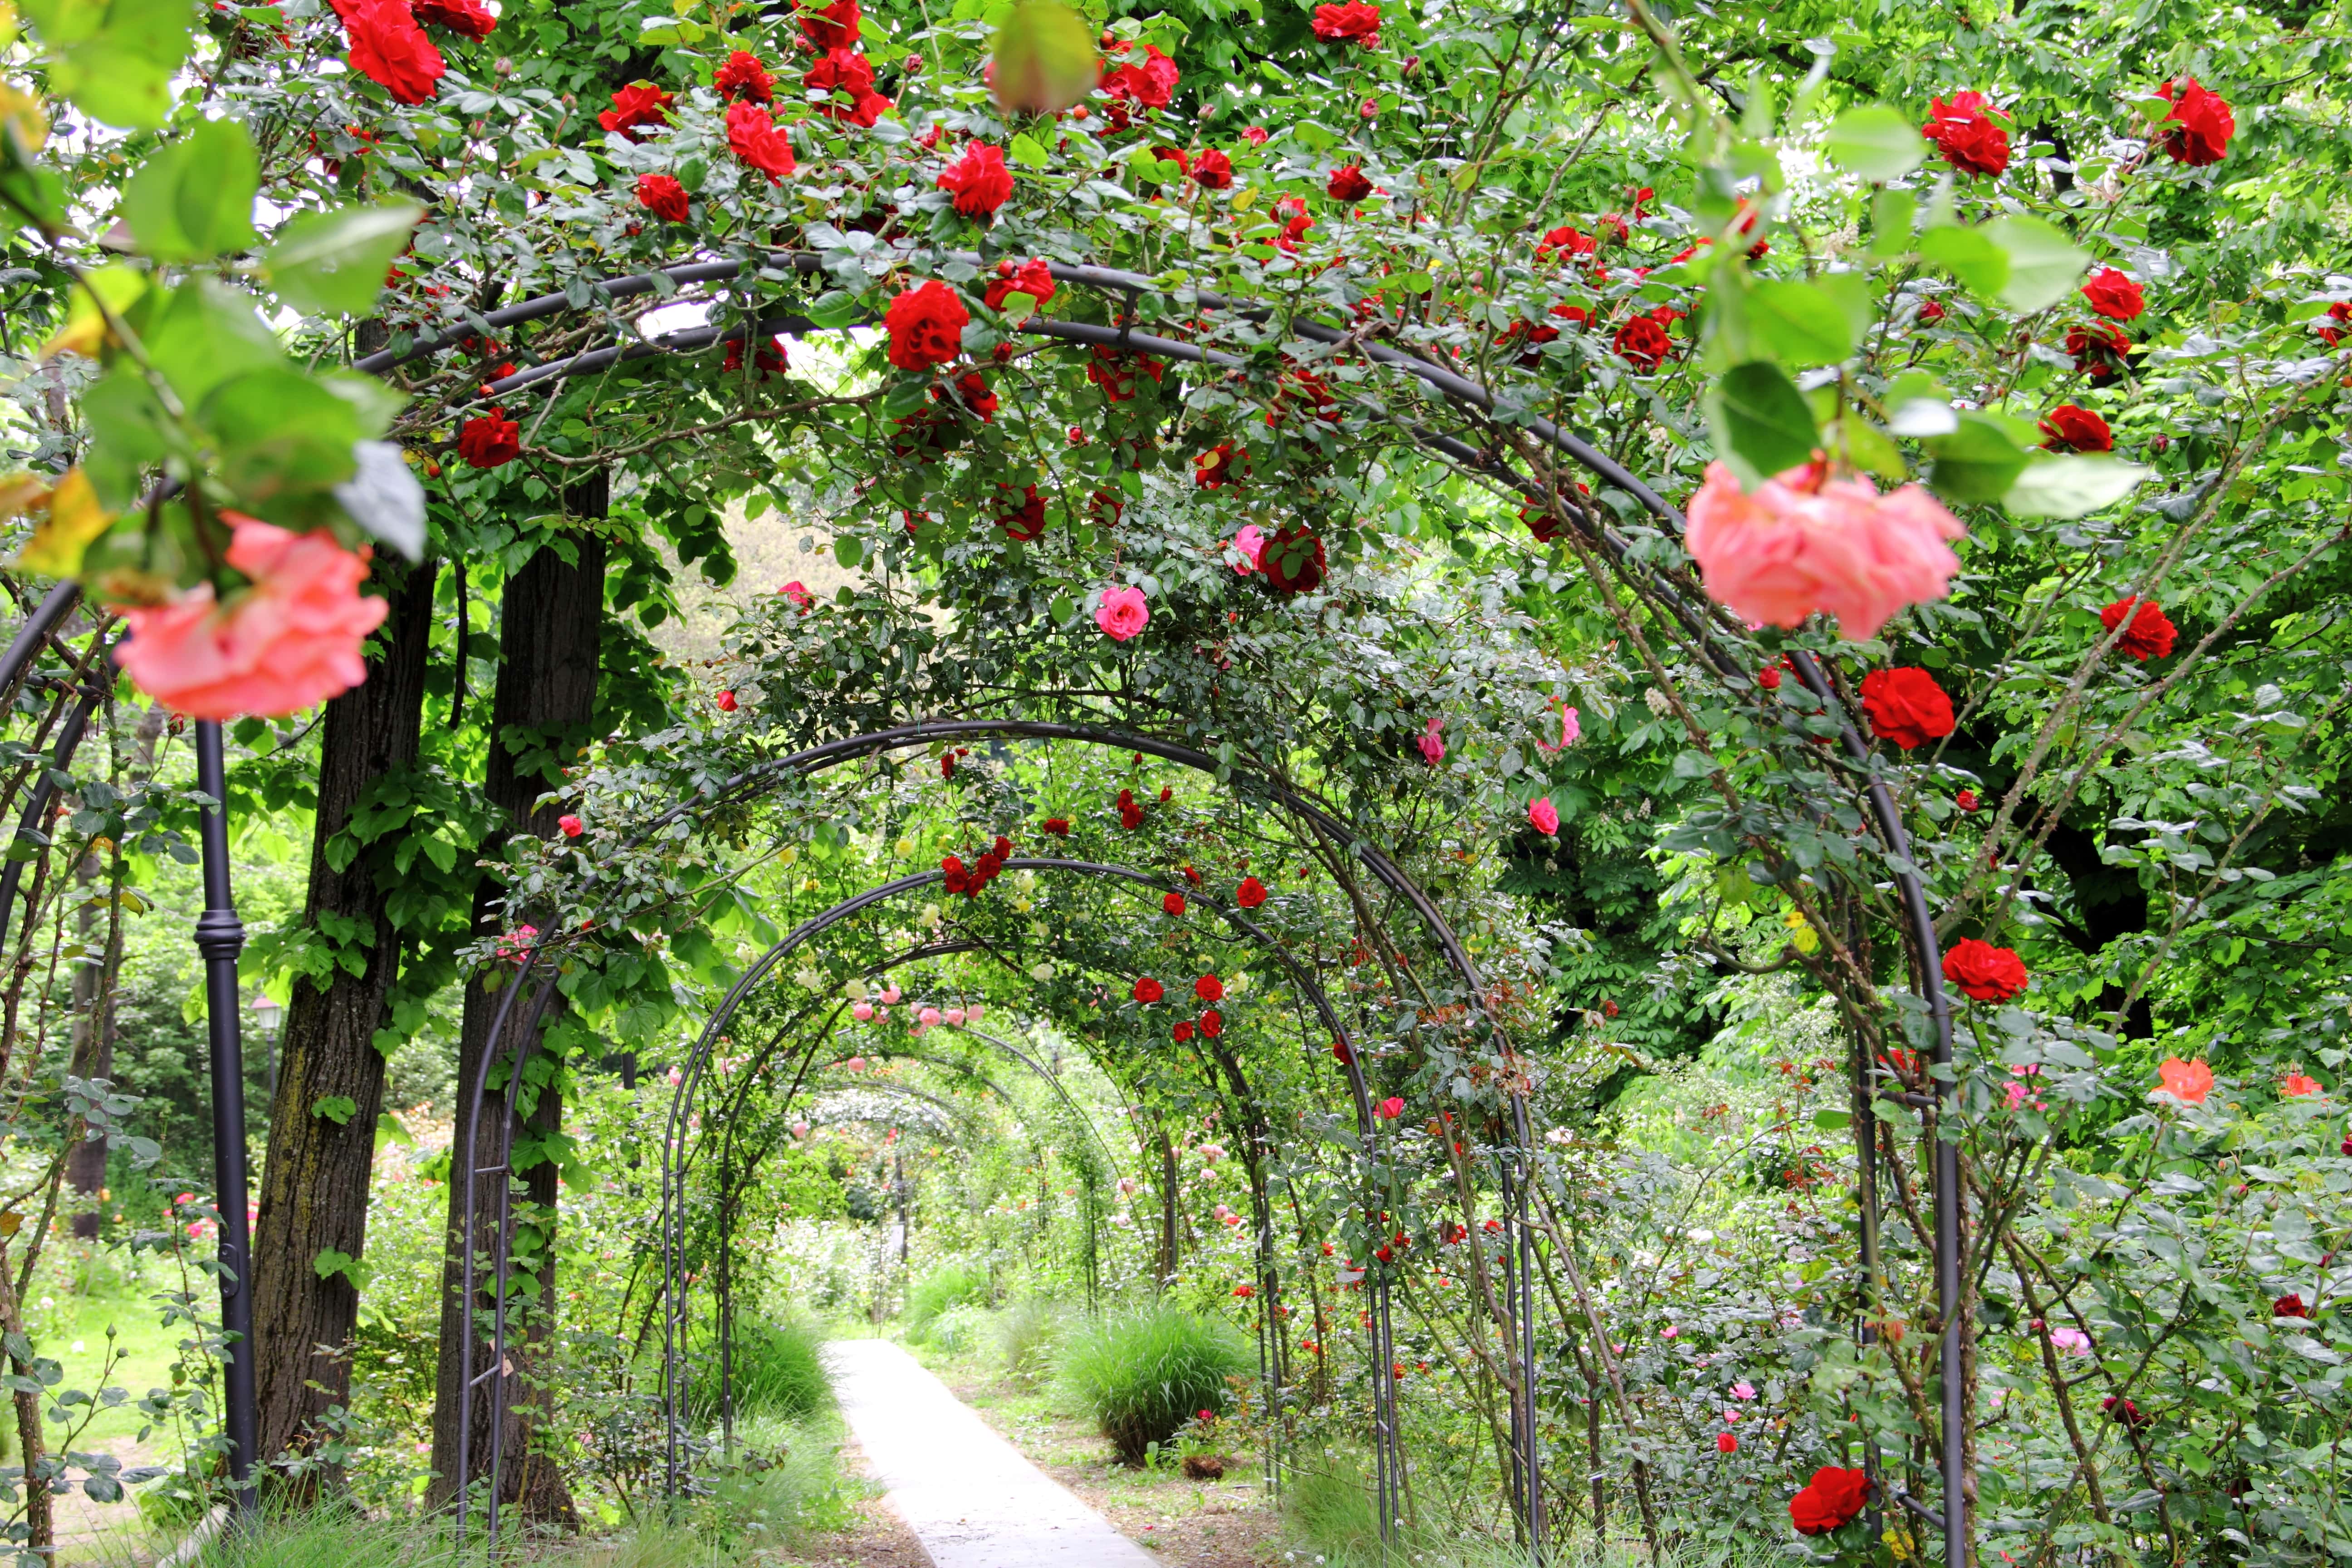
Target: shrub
x,y
949,1284
960,1330
1025,1336
1141,1377
780,1370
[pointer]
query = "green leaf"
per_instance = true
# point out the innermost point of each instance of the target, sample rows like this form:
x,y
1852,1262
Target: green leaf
x,y
1977,461
334,263
2070,485
193,199
1760,421
848,549
2042,262
1028,153
1045,58
338,1108
331,1262
1891,212
281,441
1876,142
1969,256
833,308
390,1129
1799,324
115,58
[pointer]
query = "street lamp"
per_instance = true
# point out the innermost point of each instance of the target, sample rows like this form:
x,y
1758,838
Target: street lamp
x,y
267,1012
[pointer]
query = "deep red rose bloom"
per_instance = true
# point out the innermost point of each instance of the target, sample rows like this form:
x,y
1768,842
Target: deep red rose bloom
x,y
468,19
1150,83
752,136
1250,894
979,180
1212,1023
1115,372
2098,348
489,441
1293,561
1905,706
1060,826
1031,278
1963,132
840,73
639,103
1643,343
1832,1498
1725,1443
1256,136
2197,130
972,393
831,26
1183,1030
2332,327
2070,427
1352,22
662,196
1984,971
1213,470
1209,988
1347,184
2114,295
1026,523
769,361
926,326
726,701
2151,631
1565,241
1965,800
390,49
744,79
1931,312
1176,156
2289,1307
2124,1410
1212,171
1173,903
1147,991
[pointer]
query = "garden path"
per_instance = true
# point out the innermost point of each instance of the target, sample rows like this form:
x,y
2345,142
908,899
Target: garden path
x,y
967,1494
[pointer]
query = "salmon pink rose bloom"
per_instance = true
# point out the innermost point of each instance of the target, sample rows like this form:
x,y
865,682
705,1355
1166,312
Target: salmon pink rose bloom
x,y
1544,817
1122,612
1805,541
289,640
2189,1082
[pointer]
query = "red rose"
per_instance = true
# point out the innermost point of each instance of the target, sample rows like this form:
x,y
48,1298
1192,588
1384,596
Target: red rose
x,y
1173,903
1565,241
1176,156
1256,136
970,390
769,361
1031,278
1183,1030
1963,132
2070,427
1209,988
2331,329
1115,372
1987,973
470,18
1060,826
1212,171
1213,470
571,825
662,196
489,441
1353,22
1150,84
1905,706
844,73
744,79
926,326
1965,800
752,136
1643,343
1832,1498
1250,894
2098,348
1293,561
390,49
2151,631
1026,522
726,701
979,181
831,26
1931,312
1347,184
1725,1443
639,103
2113,295
2197,130
1147,991
2289,1307
1212,1023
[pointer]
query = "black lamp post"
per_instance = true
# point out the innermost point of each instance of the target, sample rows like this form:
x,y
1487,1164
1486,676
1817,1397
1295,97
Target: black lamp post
x,y
220,937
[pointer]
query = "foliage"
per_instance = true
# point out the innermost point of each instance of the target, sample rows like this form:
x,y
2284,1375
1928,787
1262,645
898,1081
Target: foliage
x,y
948,1284
1143,1376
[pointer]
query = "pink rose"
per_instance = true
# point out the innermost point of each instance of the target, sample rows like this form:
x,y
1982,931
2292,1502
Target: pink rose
x,y
571,825
1805,541
289,640
955,1016
862,1012
1251,542
927,1017
1544,817
890,994
1121,614
856,1064
1433,745
1569,732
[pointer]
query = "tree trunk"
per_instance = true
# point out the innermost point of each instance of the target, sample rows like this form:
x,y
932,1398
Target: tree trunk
x,y
314,1178
544,709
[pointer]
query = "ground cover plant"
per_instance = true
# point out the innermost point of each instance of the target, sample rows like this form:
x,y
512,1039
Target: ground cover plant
x,y
1560,687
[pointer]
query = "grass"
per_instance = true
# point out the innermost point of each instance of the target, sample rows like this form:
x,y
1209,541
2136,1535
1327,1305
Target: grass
x,y
950,1285
1142,1376
780,1370
1026,1333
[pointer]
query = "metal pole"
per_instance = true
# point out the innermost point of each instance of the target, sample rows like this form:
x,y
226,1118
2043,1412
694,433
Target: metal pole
x,y
220,937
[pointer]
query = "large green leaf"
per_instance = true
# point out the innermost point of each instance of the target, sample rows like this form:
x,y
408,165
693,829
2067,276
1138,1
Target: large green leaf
x,y
115,58
2070,485
202,333
1799,324
1977,461
193,199
1969,254
2042,262
1045,58
282,442
1760,421
1875,142
333,262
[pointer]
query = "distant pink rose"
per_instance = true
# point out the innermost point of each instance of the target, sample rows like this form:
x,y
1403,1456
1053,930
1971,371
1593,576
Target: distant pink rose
x,y
1251,542
1570,731
1670,1332
2072,1341
928,1016
862,1012
289,640
1743,1389
1805,541
890,994
1432,743
1544,817
571,825
1121,614
1388,1110
974,1010
856,1064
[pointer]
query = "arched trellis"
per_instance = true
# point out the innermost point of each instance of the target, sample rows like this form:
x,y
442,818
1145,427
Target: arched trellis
x,y
1678,596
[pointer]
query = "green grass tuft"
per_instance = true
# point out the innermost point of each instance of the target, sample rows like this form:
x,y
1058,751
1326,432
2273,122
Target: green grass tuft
x,y
1141,1377
949,1284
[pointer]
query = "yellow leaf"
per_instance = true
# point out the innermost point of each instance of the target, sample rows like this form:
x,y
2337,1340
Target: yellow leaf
x,y
21,112
75,519
84,329
1045,58
11,1222
21,492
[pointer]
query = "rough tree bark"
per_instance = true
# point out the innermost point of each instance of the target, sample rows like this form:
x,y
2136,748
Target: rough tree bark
x,y
549,630
314,1179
